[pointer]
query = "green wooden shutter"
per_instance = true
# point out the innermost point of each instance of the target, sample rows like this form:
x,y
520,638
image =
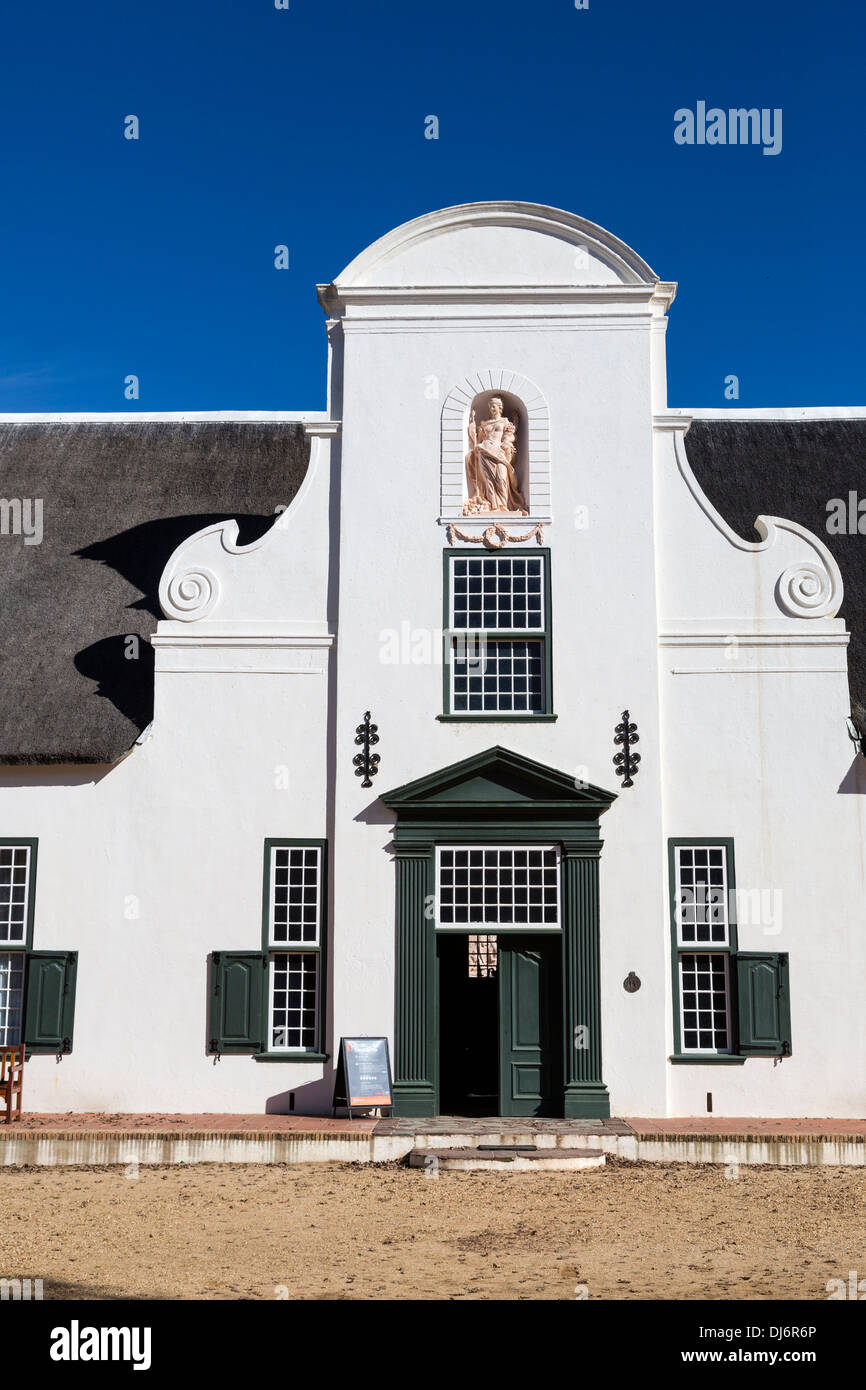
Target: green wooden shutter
x,y
764,1003
237,1001
49,1010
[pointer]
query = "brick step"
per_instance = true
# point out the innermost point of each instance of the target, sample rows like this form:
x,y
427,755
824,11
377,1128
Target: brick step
x,y
505,1158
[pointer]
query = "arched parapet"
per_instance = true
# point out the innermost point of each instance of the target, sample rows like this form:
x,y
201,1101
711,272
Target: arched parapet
x,y
495,243
523,400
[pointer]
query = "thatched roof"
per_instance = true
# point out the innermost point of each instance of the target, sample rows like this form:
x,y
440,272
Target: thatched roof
x,y
117,499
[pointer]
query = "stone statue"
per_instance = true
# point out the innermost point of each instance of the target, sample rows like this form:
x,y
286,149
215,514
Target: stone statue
x,y
492,481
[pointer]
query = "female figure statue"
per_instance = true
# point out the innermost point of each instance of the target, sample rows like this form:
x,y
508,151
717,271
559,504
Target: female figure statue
x,y
492,481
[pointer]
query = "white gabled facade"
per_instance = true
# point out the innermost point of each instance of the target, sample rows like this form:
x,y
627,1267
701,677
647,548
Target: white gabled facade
x,y
727,654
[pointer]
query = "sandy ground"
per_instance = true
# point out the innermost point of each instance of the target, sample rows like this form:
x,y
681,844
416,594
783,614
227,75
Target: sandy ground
x,y
641,1231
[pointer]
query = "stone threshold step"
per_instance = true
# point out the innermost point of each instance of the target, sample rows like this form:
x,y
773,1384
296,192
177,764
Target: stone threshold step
x,y
495,1159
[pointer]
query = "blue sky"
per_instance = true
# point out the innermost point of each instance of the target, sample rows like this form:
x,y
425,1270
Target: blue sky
x,y
306,127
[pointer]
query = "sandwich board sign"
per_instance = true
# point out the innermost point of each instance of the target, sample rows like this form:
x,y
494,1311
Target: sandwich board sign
x,y
363,1075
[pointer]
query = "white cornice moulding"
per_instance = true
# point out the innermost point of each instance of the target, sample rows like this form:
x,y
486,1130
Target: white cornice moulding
x,y
271,635
335,298
151,417
677,419
790,632
323,429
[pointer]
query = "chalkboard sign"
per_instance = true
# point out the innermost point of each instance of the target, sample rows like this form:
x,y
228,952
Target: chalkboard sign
x,y
363,1075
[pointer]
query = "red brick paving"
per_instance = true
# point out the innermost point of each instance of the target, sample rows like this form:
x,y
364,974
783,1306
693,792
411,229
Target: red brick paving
x,y
208,1124
293,1124
719,1124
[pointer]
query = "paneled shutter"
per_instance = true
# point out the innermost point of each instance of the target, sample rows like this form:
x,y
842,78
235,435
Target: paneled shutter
x,y
237,1001
49,1010
764,1003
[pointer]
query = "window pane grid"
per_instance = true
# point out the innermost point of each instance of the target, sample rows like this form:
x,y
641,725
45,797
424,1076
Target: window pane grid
x,y
295,895
704,1002
498,887
497,591
505,676
11,997
14,892
294,1001
702,900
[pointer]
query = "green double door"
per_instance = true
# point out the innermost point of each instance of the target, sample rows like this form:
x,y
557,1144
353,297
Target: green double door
x,y
501,1026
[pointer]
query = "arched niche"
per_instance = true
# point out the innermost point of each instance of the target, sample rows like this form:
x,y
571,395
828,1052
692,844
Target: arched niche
x,y
523,402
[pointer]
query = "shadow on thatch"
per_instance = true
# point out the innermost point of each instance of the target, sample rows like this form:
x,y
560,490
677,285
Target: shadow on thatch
x,y
123,669
122,666
141,554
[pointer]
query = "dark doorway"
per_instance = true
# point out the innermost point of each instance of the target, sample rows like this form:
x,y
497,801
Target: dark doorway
x,y
468,1025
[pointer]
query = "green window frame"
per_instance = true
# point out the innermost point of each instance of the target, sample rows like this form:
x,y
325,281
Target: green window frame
x,y
255,996
45,1002
469,695
728,1004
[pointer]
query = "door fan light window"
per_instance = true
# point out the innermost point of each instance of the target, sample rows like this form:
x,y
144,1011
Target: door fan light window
x,y
498,635
498,888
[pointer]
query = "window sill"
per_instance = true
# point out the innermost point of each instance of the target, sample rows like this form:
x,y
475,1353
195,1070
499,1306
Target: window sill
x,y
496,718
707,1059
291,1057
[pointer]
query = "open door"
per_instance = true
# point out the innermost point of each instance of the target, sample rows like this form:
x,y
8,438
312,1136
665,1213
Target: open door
x,y
469,1026
530,1038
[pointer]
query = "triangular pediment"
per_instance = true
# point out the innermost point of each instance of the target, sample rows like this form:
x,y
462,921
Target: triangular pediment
x,y
499,778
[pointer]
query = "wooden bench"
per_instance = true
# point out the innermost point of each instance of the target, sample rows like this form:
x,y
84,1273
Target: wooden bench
x,y
11,1076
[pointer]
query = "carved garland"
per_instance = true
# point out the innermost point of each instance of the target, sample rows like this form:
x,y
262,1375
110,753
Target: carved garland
x,y
496,536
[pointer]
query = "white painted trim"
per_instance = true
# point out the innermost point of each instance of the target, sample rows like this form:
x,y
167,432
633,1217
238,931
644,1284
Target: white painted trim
x,y
795,412
334,297
144,417
734,669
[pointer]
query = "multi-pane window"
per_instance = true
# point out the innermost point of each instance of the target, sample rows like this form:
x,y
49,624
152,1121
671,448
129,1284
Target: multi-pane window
x,y
702,910
294,1001
498,639
702,895
704,1002
14,892
11,997
295,895
497,887
296,878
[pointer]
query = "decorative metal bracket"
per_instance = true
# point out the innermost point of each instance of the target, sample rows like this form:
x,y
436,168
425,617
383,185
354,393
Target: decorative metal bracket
x,y
626,762
366,764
